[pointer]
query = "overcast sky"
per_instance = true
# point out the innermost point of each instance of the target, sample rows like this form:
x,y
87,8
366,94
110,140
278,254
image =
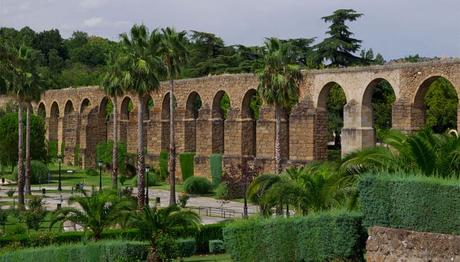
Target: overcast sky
x,y
394,28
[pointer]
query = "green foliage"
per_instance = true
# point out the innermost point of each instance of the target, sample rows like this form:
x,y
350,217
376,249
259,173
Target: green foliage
x,y
187,161
318,237
53,149
152,179
164,156
104,154
222,191
183,199
167,247
215,161
94,251
411,202
186,247
335,103
441,101
38,172
382,104
9,138
216,246
197,185
91,172
35,213
225,105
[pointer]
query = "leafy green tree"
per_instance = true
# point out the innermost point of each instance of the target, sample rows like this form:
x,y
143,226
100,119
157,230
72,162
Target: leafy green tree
x,y
140,76
155,223
335,103
113,86
173,52
441,106
279,84
338,48
96,212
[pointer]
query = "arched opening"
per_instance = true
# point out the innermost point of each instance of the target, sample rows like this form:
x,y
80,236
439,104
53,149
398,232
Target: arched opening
x,y
148,104
329,121
105,118
377,105
220,107
70,132
436,105
85,105
41,111
249,113
126,110
53,126
191,115
165,114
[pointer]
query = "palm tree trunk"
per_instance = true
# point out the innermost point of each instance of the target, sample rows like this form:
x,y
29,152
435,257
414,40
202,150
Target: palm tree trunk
x,y
140,155
27,178
20,160
172,146
277,140
115,146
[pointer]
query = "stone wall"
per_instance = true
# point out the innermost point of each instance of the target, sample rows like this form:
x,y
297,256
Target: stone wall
x,y
389,244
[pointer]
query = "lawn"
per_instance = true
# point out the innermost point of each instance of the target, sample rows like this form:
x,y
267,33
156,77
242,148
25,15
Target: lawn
x,y
208,258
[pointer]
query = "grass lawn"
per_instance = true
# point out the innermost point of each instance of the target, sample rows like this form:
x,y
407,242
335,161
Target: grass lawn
x,y
209,258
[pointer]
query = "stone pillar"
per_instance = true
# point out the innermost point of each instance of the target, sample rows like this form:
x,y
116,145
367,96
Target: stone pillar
x,y
70,127
203,141
401,116
356,134
60,134
266,139
232,139
153,129
302,134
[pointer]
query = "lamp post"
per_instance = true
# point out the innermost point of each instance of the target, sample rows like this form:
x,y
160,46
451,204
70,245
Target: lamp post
x,y
147,169
100,175
59,159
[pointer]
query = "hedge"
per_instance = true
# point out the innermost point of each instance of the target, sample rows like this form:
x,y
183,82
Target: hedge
x,y
334,235
38,172
187,164
92,251
164,156
186,247
197,185
412,202
215,161
206,233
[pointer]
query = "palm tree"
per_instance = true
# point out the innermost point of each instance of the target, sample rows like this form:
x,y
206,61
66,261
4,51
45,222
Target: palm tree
x,y
140,77
279,84
173,52
112,85
96,212
156,222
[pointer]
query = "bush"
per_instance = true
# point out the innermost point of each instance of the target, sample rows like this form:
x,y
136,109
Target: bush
x,y
215,161
206,233
38,172
93,251
222,191
186,247
324,236
53,149
167,247
187,165
417,203
197,185
152,180
104,153
216,246
164,156
91,172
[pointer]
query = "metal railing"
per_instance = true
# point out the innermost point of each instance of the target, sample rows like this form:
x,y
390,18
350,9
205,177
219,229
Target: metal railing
x,y
217,212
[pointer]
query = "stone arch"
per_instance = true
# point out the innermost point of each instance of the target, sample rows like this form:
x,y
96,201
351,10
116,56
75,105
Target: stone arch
x,y
41,110
148,105
192,109
379,92
218,122
165,114
323,134
126,109
85,105
53,125
419,108
248,125
70,132
68,108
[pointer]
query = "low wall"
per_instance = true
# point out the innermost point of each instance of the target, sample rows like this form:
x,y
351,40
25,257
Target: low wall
x,y
389,244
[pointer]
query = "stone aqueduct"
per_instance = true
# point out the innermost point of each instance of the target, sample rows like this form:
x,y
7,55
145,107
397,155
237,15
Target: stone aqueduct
x,y
75,116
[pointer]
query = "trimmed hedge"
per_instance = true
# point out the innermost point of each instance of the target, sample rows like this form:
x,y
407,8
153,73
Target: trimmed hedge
x,y
186,247
206,233
187,161
215,161
38,173
93,251
318,237
197,185
164,156
216,246
416,203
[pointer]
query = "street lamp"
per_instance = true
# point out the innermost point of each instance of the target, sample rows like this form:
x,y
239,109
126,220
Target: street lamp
x,y
147,169
100,175
59,159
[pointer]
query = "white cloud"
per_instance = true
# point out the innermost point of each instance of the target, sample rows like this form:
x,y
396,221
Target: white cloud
x,y
93,22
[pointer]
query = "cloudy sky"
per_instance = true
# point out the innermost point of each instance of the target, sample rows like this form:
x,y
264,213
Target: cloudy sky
x,y
394,28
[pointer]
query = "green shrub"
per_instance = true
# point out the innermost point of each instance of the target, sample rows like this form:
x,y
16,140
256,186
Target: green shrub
x,y
417,203
164,156
93,251
216,246
186,247
215,161
52,149
167,247
151,179
222,191
104,153
197,185
187,161
328,236
91,172
204,235
38,172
